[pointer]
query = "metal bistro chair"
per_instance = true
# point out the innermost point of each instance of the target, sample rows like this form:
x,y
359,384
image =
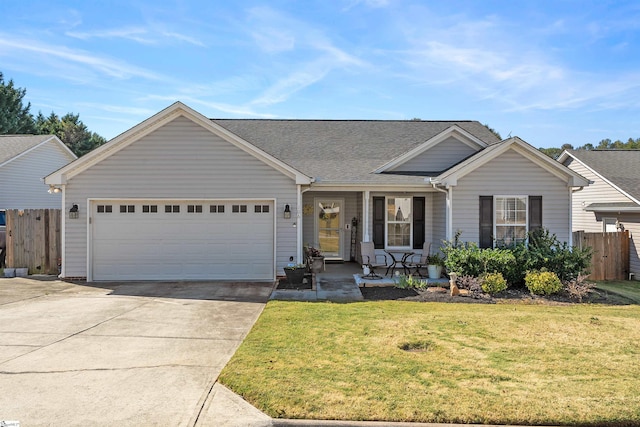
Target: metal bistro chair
x,y
371,260
417,263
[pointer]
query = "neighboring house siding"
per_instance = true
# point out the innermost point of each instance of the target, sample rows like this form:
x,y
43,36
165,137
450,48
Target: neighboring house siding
x,y
631,222
438,158
511,174
180,160
350,209
602,192
598,192
22,178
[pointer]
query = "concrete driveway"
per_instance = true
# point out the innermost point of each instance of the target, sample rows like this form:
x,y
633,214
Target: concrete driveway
x,y
118,353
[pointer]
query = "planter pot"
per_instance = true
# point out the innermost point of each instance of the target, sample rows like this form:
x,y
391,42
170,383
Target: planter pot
x,y
316,264
435,271
9,272
295,275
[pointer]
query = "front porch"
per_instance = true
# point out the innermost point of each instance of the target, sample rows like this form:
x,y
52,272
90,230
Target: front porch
x,y
339,282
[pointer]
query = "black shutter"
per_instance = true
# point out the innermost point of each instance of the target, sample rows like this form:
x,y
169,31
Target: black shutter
x,y
418,222
535,213
378,222
486,222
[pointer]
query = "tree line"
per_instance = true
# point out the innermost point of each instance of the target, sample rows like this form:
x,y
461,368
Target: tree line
x,y
16,119
605,144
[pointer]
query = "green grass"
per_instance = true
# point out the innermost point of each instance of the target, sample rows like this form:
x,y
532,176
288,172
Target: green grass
x,y
627,289
435,362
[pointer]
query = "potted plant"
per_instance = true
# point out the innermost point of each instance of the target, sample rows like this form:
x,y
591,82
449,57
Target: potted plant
x,y
435,263
315,259
295,273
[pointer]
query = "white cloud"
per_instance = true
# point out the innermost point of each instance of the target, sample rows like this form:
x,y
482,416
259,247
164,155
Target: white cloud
x,y
142,35
38,52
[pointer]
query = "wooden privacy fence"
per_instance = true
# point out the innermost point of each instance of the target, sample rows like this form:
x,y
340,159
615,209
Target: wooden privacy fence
x,y
610,259
33,240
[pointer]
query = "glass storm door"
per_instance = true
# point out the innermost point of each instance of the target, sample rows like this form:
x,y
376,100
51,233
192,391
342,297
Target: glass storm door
x,y
329,217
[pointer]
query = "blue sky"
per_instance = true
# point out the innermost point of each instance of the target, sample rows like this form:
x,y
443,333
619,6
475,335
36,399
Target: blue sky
x,y
551,72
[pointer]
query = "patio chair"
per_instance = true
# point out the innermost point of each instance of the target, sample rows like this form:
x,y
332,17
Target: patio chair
x,y
418,261
371,260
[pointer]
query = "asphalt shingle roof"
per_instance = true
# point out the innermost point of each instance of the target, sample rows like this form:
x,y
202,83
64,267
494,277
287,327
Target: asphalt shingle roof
x,y
13,145
345,151
621,167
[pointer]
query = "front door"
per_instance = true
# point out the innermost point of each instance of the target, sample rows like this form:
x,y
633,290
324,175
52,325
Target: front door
x,y
329,228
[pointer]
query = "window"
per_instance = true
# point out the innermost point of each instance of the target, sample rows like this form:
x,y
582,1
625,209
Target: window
x,y
194,208
149,208
105,209
610,225
216,208
127,208
510,220
239,208
261,209
172,208
399,224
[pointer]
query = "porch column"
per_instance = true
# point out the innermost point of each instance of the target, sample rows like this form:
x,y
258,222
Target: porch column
x,y
449,227
365,216
298,224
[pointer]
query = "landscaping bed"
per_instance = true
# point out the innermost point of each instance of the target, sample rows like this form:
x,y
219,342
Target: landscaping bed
x,y
606,295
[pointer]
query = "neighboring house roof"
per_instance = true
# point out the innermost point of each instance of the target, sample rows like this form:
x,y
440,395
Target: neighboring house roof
x,y
347,151
14,146
619,168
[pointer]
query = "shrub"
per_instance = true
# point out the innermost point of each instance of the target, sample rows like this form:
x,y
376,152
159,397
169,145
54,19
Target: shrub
x,y
577,288
472,284
468,260
410,282
542,282
492,283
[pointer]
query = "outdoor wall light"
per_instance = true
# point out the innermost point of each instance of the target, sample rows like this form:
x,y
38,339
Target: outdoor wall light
x,y
53,189
287,212
73,212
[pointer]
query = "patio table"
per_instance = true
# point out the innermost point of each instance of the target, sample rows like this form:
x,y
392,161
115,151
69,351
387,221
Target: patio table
x,y
395,254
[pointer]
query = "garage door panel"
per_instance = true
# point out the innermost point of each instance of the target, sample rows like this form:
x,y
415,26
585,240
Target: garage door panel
x,y
182,245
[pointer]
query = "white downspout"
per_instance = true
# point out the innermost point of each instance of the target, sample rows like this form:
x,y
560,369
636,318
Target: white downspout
x,y
571,191
365,220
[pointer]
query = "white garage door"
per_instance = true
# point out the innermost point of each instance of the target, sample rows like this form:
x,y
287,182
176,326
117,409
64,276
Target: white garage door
x,y
182,240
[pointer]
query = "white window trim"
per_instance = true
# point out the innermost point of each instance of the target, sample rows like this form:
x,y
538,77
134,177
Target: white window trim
x,y
495,213
386,224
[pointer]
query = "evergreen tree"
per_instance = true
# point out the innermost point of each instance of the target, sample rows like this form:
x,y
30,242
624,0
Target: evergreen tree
x,y
14,115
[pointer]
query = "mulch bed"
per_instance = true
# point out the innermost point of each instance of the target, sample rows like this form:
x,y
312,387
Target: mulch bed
x,y
521,296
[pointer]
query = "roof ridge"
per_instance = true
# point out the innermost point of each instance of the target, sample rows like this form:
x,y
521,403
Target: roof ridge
x,y
351,120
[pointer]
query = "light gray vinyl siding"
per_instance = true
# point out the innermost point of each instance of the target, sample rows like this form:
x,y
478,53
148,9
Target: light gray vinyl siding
x,y
439,228
181,160
351,201
602,192
598,192
511,174
631,222
438,158
22,179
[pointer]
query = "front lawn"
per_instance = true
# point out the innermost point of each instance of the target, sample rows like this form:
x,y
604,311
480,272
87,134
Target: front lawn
x,y
438,362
